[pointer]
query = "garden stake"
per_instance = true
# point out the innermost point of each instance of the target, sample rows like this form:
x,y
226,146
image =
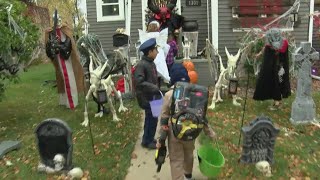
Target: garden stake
x,y
244,108
86,106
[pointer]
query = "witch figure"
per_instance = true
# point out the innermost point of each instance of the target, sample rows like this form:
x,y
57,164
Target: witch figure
x,y
273,79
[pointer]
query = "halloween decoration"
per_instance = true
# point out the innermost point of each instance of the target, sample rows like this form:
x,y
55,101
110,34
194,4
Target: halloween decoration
x,y
188,64
98,70
193,75
264,167
61,49
163,11
225,75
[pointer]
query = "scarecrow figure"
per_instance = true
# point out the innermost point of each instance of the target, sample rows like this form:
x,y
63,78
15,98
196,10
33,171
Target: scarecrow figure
x,y
61,49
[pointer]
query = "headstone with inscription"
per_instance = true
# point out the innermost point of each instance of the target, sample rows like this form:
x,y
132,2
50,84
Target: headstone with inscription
x,y
54,136
303,109
258,141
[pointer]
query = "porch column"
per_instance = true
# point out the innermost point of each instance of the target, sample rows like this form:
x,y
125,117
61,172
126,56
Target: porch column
x,y
311,21
215,23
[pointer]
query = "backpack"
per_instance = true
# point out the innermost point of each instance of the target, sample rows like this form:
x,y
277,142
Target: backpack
x,y
188,110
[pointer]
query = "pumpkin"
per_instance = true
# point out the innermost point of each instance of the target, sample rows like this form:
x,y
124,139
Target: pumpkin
x,y
193,75
188,65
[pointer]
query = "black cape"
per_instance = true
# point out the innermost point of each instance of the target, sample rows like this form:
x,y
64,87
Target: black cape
x,y
268,85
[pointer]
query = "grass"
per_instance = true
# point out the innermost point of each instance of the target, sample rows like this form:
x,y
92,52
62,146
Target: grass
x,y
29,102
295,155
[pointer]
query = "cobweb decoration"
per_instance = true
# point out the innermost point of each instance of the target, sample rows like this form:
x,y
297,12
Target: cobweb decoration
x,y
251,44
212,56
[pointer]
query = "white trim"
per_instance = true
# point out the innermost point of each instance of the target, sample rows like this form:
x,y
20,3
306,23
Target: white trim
x,y
144,5
128,17
215,23
101,18
249,29
311,21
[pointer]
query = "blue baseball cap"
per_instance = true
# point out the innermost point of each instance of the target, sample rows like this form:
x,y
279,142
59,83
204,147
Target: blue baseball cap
x,y
148,45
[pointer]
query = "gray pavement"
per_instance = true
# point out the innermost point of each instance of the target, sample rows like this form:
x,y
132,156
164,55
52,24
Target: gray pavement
x,y
143,166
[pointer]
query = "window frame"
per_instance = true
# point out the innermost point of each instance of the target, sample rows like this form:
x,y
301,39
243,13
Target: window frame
x,y
101,18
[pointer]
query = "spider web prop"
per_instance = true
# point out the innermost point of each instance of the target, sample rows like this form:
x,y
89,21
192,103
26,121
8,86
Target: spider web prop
x,y
252,43
212,56
89,45
10,63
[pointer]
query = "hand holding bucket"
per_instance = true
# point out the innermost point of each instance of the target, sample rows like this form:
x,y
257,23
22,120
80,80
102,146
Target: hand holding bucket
x,y
156,105
211,160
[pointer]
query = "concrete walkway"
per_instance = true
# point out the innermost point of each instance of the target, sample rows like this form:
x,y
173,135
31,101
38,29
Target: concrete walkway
x,y
143,166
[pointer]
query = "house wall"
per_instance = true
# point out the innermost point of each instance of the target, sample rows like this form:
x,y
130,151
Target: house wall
x,y
136,23
229,39
198,13
104,30
316,36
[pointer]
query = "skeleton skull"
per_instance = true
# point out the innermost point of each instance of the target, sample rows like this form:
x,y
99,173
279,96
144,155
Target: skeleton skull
x,y
58,161
264,167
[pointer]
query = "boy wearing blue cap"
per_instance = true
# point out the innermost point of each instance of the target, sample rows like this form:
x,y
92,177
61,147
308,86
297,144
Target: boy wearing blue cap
x,y
146,83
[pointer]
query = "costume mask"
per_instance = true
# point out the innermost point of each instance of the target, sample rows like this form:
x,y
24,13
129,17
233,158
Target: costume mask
x,y
274,38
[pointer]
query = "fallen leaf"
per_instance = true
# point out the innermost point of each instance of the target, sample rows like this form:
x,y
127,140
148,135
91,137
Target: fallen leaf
x,y
134,155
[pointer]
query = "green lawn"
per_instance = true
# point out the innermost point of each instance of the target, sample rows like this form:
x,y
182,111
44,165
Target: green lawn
x,y
295,155
30,101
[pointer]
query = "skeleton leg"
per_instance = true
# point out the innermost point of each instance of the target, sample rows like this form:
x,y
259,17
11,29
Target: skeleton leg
x,y
113,111
118,94
100,110
234,100
86,118
214,99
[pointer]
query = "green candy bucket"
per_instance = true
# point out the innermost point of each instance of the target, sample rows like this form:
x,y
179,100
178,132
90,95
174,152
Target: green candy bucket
x,y
211,160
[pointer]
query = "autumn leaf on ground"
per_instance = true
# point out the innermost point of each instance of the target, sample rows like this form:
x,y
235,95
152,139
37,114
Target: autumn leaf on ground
x,y
134,155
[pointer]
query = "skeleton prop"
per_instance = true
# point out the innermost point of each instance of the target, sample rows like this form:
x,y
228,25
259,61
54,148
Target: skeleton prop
x,y
107,84
223,80
264,167
98,74
59,162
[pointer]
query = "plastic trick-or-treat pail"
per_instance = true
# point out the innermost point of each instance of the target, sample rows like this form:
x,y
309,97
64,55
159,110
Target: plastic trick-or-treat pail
x,y
156,105
211,160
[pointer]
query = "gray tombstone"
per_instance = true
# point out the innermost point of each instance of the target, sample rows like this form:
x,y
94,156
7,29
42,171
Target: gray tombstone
x,y
54,136
303,107
258,141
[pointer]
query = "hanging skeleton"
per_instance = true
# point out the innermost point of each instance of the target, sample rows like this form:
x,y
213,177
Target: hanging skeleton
x,y
98,72
224,77
163,12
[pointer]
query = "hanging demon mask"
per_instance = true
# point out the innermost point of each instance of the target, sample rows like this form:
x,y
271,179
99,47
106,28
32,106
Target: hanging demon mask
x,y
274,38
163,13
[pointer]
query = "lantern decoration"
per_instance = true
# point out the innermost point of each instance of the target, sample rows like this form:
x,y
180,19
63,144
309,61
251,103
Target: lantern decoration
x,y
233,85
193,75
188,64
102,96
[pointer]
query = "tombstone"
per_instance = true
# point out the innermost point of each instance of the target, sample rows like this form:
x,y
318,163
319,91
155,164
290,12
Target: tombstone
x,y
7,146
303,109
258,141
54,136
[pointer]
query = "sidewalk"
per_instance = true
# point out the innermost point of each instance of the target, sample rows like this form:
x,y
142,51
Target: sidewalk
x,y
143,166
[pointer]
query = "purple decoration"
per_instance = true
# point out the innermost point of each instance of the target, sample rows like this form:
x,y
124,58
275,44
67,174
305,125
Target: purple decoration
x,y
314,71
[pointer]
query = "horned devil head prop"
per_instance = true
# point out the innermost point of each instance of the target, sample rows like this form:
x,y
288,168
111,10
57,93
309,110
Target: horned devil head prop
x,y
224,76
97,83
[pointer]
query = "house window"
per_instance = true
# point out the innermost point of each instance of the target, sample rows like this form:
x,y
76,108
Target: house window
x,y
110,10
256,14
